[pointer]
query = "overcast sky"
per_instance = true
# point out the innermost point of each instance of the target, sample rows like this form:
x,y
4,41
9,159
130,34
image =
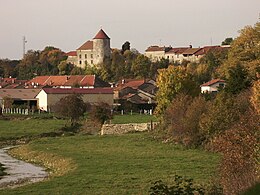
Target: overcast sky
x,y
67,24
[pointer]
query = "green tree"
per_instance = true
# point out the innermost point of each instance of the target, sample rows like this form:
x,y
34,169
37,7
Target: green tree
x,y
71,106
125,47
65,68
141,66
227,41
237,79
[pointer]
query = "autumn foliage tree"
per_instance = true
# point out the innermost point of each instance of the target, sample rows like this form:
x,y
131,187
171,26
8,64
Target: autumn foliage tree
x,y
171,81
71,106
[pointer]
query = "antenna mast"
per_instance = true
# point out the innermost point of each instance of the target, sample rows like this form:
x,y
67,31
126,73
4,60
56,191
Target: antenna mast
x,y
24,42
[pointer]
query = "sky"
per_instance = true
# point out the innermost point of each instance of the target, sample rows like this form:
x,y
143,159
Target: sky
x,y
67,24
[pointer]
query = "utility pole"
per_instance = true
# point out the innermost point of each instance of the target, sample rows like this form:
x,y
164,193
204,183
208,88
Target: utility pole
x,y
24,42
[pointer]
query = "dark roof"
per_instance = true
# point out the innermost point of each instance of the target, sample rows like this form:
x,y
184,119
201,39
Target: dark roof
x,y
19,94
86,46
78,91
157,48
101,35
178,50
191,51
206,49
209,83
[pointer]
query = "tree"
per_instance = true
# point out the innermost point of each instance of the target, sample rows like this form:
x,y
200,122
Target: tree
x,y
64,68
125,47
245,49
141,66
237,79
71,106
227,41
255,98
100,112
170,82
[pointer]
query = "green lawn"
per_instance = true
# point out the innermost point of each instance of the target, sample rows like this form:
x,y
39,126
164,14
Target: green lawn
x,y
18,128
125,164
135,118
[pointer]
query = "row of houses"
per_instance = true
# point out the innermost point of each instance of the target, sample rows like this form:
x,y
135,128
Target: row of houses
x,y
179,54
43,92
128,95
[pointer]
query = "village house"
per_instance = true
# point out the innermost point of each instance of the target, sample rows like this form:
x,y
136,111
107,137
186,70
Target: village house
x,y
92,52
179,54
135,95
48,97
67,81
212,86
11,83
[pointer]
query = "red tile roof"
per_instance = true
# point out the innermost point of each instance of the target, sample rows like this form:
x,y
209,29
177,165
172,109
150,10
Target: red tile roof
x,y
88,80
212,82
206,49
78,91
71,53
130,83
101,35
86,46
70,80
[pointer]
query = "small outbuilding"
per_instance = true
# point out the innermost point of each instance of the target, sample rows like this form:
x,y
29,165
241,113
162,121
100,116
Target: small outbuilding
x,y
212,86
48,97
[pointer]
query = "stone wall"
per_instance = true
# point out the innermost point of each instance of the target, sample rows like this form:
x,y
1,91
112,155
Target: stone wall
x,y
125,128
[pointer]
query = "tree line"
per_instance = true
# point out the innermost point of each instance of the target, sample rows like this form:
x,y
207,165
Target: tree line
x,y
226,122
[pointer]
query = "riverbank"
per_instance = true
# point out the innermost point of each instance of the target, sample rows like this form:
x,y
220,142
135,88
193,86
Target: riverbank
x,y
19,172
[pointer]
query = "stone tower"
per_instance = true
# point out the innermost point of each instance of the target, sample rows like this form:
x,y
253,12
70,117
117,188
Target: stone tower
x,y
101,47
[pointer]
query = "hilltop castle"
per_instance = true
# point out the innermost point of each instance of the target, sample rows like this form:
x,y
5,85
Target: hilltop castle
x,y
91,52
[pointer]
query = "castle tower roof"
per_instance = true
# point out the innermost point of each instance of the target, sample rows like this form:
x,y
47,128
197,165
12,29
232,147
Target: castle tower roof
x,y
101,35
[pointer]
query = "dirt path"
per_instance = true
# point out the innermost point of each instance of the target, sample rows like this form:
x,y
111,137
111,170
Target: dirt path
x,y
19,172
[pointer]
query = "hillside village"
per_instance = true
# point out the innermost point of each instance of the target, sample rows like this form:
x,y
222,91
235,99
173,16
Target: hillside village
x,y
128,94
102,119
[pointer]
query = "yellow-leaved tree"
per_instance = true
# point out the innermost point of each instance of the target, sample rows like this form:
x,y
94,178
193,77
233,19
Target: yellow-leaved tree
x,y
171,81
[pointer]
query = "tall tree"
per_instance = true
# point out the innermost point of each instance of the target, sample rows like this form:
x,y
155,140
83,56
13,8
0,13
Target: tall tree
x,y
237,79
141,66
227,41
125,47
172,81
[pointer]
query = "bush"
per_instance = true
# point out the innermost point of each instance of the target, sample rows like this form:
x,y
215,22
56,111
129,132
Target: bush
x,y
239,146
100,112
182,119
181,186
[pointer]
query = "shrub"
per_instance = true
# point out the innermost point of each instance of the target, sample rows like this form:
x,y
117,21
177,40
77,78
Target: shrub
x,y
240,149
100,112
182,119
181,186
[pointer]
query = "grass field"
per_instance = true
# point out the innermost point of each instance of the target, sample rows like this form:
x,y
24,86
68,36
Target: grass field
x,y
125,164
18,128
135,118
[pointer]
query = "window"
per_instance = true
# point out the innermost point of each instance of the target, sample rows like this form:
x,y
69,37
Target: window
x,y
91,55
91,61
80,62
86,55
79,56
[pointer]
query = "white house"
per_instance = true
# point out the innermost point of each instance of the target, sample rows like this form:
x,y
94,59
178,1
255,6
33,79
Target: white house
x,y
212,86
